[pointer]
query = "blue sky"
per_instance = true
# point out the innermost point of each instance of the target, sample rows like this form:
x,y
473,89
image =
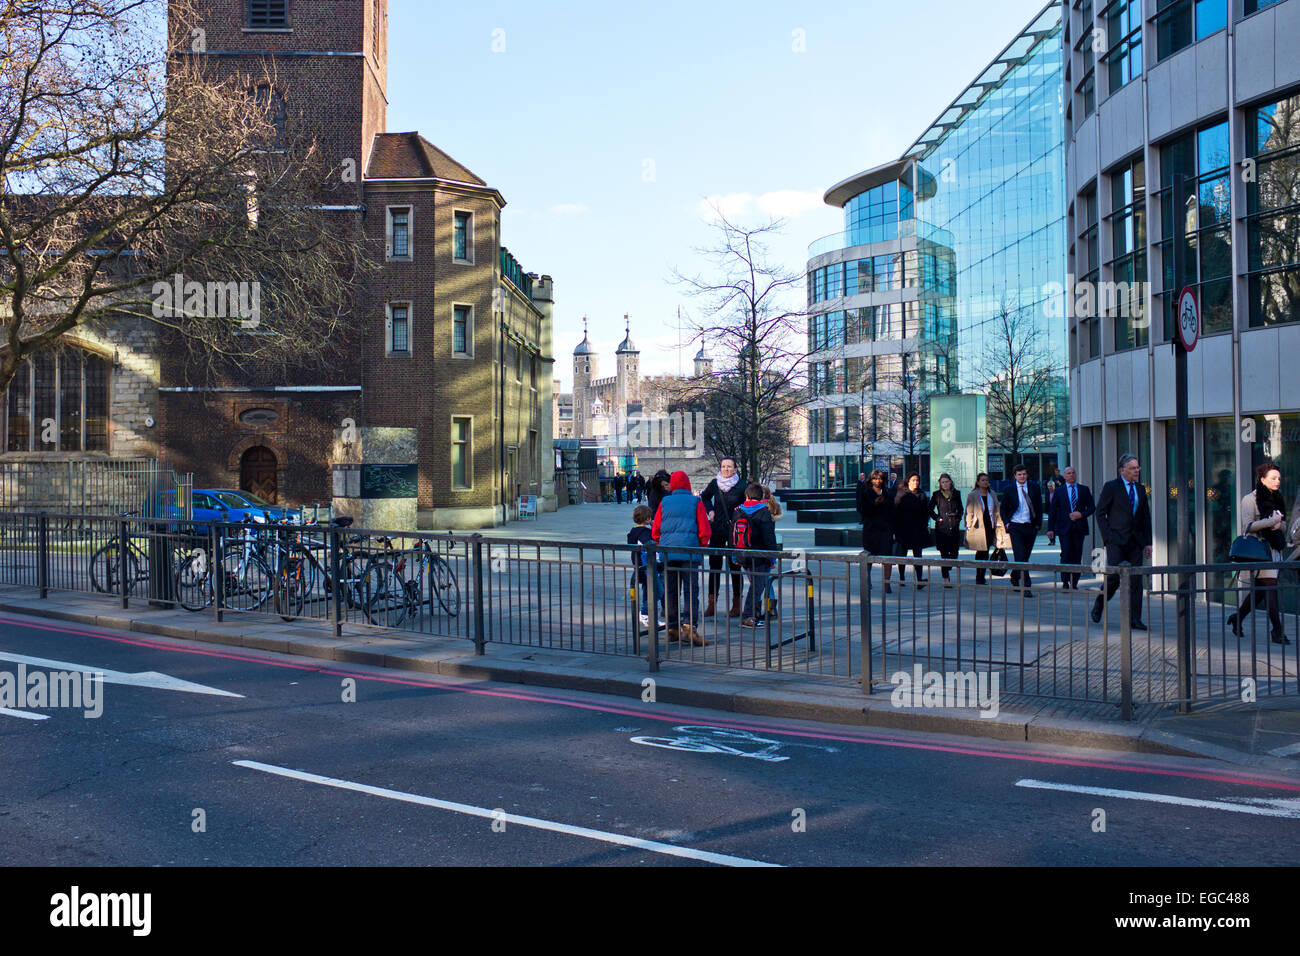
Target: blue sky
x,y
607,126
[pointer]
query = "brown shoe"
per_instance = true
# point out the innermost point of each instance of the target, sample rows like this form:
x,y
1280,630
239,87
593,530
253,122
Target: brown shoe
x,y
696,638
713,600
673,637
735,606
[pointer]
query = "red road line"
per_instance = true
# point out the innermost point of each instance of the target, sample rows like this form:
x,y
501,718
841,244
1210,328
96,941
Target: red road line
x,y
864,738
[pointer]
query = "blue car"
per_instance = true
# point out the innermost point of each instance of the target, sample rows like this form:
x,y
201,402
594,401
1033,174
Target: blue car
x,y
219,504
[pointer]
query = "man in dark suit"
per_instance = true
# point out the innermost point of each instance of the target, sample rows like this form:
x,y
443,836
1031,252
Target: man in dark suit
x,y
1022,514
1124,519
1067,517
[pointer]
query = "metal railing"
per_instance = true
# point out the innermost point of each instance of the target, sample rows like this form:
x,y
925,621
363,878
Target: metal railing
x,y
819,616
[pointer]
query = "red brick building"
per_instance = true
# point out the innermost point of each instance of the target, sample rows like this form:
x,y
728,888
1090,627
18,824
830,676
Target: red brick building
x,y
452,339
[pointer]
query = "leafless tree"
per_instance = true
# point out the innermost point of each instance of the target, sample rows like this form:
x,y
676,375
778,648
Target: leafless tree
x,y
123,166
759,345
1021,385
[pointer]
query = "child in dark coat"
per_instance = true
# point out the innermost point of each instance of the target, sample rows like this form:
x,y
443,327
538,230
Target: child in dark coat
x,y
753,529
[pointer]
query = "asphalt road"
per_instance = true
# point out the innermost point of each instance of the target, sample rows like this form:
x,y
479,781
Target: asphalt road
x,y
421,771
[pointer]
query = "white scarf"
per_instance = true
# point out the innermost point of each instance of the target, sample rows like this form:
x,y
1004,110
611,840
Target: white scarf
x,y
726,484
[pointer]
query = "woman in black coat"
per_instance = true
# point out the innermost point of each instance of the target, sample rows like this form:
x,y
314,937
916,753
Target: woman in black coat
x,y
946,510
876,509
721,496
911,522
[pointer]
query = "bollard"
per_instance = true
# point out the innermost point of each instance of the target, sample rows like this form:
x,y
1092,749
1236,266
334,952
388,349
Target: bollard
x,y
336,586
864,608
43,554
217,573
1125,643
480,638
123,586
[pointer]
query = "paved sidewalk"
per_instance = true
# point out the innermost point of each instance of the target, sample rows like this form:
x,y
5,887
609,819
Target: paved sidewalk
x,y
1265,736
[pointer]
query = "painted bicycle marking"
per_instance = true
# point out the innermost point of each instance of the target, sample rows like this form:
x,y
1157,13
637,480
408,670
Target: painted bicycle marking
x,y
725,740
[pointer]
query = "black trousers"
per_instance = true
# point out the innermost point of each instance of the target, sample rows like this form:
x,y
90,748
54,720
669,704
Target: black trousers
x,y
1071,553
948,542
1022,543
979,572
1116,555
1264,592
719,540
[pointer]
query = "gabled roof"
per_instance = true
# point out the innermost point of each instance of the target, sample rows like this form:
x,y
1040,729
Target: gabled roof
x,y
411,156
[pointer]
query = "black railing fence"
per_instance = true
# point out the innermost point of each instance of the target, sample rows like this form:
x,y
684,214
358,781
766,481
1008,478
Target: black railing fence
x,y
824,616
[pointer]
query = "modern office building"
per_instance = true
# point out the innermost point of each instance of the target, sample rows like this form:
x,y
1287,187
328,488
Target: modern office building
x,y
1209,89
952,261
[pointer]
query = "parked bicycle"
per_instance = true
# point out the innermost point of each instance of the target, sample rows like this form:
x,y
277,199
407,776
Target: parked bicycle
x,y
403,598
363,579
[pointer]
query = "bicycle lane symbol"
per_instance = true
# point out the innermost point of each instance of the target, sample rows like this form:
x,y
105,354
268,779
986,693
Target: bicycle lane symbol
x,y
725,740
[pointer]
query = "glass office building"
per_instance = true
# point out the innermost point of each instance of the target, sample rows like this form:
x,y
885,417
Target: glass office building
x,y
969,227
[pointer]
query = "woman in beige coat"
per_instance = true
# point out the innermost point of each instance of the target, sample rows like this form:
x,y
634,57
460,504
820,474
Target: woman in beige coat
x,y
983,515
1263,516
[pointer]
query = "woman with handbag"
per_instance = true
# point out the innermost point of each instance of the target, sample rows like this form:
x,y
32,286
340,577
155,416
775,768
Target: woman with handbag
x,y
946,512
985,531
1263,516
911,524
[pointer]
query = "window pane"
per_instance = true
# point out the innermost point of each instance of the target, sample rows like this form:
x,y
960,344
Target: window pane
x,y
1275,297
461,237
70,401
44,402
20,409
96,403
1211,16
400,329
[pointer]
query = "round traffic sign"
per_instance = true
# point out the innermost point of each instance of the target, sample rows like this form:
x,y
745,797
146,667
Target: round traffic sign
x,y
1189,318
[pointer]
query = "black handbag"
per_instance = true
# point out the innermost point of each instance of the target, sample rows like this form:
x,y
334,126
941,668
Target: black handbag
x,y
1000,556
1247,547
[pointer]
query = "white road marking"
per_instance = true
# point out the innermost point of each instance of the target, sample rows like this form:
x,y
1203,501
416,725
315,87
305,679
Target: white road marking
x,y
1281,808
143,679
723,740
667,849
25,715
1285,751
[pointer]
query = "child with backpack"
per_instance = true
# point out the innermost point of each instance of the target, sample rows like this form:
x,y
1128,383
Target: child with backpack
x,y
640,535
753,529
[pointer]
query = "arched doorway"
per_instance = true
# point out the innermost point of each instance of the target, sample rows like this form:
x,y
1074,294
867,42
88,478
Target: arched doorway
x,y
259,473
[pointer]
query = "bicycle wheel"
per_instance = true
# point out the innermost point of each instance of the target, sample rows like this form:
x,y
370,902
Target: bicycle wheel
x,y
247,582
290,589
384,594
106,569
194,581
444,585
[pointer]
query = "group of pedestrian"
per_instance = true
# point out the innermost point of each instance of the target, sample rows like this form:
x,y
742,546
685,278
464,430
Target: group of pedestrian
x,y
634,485
897,522
734,518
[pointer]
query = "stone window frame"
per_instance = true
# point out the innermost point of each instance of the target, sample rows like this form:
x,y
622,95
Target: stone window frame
x,y
468,451
469,237
389,254
389,351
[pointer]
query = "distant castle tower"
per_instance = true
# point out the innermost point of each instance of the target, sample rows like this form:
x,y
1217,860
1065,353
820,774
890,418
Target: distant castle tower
x,y
585,369
703,364
629,377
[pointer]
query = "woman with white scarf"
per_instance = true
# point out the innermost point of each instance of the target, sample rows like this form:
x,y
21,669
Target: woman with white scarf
x,y
723,495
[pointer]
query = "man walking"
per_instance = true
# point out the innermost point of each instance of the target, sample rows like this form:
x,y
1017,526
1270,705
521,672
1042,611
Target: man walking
x,y
619,484
1022,515
1124,520
1067,517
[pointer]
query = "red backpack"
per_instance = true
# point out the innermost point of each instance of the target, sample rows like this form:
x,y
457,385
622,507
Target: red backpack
x,y
741,533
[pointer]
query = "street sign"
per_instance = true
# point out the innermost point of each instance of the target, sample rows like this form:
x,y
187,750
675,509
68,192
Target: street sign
x,y
1189,318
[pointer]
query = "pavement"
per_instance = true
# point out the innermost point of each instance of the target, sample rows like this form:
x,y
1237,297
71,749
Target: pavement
x,y
1265,736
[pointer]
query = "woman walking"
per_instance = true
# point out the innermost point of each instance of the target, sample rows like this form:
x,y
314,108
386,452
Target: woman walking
x,y
876,509
946,511
723,495
1263,516
911,523
984,528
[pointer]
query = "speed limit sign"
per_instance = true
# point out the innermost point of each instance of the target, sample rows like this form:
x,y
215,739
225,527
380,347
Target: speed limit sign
x,y
1189,318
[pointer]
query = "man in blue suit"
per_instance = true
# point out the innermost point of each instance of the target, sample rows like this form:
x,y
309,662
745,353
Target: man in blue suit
x,y
1067,517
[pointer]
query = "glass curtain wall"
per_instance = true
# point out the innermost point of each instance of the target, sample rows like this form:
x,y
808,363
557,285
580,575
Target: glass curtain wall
x,y
998,188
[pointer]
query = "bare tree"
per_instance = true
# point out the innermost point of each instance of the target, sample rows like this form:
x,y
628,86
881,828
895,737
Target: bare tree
x,y
759,344
127,175
1021,384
